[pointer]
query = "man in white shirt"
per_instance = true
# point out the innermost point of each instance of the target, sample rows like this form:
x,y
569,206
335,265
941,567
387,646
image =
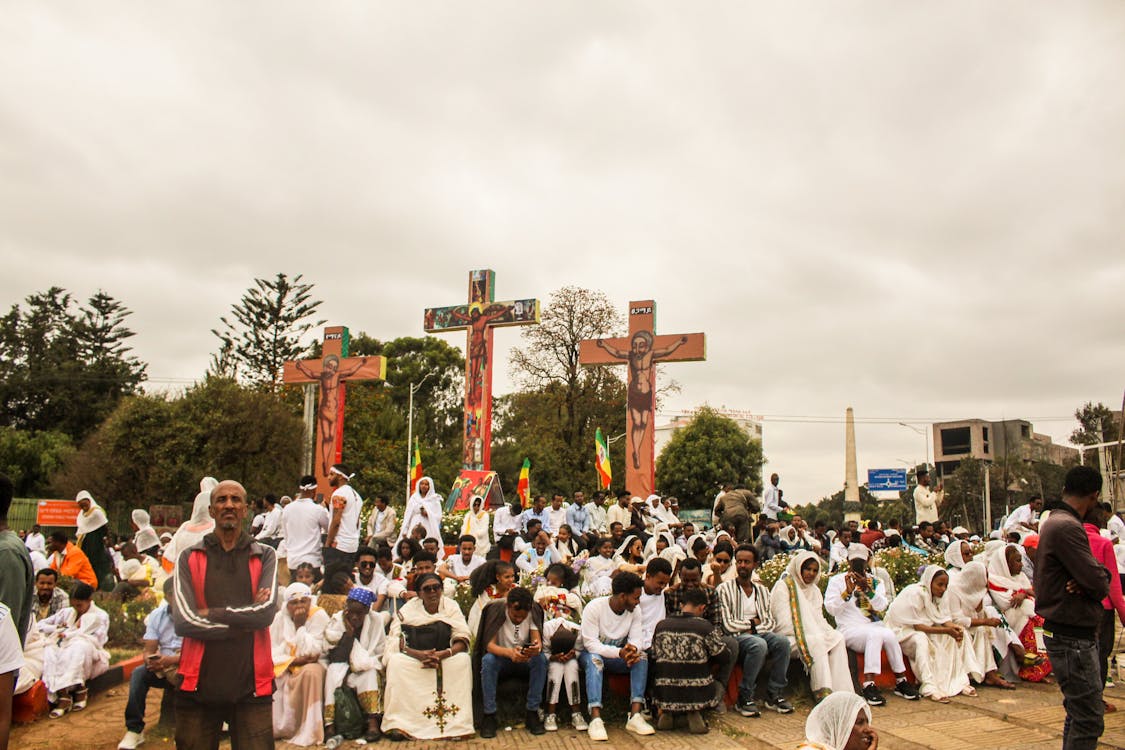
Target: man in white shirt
x,y
556,514
303,522
1024,520
457,568
597,514
612,635
926,501
858,603
658,574
772,504
35,541
271,525
343,531
368,576
620,512
382,523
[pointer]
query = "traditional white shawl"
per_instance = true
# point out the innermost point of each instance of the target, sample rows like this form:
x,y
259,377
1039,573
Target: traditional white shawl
x,y
198,526
831,721
967,593
369,649
915,605
89,520
145,537
476,526
954,556
1002,585
810,602
288,640
412,515
414,613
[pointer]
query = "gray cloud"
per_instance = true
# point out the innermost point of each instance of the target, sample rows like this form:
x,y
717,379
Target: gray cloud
x,y
914,209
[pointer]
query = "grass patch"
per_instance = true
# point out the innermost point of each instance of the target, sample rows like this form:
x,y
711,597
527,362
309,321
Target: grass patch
x,y
117,655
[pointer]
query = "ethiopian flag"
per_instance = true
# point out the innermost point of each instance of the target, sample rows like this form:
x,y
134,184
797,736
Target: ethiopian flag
x,y
415,466
601,460
523,488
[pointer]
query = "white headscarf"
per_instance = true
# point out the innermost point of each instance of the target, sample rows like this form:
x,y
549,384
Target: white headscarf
x,y
967,591
92,519
625,546
810,602
953,556
411,516
915,604
198,526
831,721
1000,574
145,537
297,590
134,571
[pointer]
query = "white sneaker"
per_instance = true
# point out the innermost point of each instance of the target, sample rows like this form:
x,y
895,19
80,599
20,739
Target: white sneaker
x,y
578,721
597,730
638,725
551,723
131,741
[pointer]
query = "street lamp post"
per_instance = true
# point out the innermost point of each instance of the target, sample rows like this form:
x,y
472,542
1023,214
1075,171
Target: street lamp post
x,y
410,429
925,435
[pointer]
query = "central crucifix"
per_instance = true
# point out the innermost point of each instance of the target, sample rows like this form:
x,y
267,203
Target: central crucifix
x,y
479,317
641,351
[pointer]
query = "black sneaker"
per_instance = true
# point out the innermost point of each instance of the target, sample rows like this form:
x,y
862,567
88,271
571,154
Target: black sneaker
x,y
488,726
747,707
872,695
532,723
779,704
904,689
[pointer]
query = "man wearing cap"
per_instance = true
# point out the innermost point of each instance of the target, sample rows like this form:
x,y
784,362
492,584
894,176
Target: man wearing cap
x,y
926,501
354,639
343,530
302,523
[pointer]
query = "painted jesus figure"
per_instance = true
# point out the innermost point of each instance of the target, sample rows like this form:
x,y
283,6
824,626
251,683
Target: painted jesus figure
x,y
327,412
641,358
478,321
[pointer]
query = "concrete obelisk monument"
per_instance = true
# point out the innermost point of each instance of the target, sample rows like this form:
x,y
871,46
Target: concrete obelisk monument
x,y
851,474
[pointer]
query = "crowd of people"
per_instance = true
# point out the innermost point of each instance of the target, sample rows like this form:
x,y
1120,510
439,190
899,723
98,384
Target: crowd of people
x,y
299,622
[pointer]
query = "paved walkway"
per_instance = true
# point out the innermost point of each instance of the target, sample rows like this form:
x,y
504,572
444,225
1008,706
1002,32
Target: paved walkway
x,y
1028,719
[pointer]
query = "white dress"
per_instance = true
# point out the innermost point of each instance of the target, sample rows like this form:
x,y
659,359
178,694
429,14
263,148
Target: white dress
x,y
298,704
939,661
75,650
821,648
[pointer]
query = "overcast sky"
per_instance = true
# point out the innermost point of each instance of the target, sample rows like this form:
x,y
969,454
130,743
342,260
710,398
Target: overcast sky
x,y
915,209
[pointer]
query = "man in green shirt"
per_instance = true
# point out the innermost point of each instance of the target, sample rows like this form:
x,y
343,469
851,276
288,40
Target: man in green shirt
x,y
17,579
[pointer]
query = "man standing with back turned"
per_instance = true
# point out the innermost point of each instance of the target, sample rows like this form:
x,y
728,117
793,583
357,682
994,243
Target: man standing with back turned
x,y
1069,587
225,601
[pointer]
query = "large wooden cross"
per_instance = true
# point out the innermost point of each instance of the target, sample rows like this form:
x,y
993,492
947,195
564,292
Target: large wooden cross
x,y
479,316
641,351
330,373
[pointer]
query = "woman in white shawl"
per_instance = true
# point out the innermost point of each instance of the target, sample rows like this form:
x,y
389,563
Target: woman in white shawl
x,y
967,596
957,555
476,525
798,610
423,508
842,721
148,543
1014,598
938,649
75,650
429,692
92,528
297,637
198,526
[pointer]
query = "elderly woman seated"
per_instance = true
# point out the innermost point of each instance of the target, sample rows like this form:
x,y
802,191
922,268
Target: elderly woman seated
x,y
429,672
297,637
75,650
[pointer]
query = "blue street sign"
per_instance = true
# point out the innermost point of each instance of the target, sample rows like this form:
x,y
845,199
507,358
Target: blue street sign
x,y
886,480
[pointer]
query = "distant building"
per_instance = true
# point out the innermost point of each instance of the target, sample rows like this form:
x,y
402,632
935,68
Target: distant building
x,y
989,441
751,424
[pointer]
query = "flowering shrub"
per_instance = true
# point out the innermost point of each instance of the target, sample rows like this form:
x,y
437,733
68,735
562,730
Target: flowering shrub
x,y
463,595
126,621
903,565
770,571
451,526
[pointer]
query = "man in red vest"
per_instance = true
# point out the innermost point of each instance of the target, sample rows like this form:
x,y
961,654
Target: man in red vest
x,y
225,590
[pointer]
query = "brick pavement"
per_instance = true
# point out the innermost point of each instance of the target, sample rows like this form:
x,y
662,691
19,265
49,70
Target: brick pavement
x,y
1027,719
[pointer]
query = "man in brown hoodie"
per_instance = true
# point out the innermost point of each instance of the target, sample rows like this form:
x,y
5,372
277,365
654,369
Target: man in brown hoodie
x,y
1069,587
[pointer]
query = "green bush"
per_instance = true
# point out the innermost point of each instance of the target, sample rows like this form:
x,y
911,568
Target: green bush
x,y
126,621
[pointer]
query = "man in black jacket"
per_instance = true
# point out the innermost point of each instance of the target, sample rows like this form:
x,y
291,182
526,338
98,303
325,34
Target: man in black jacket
x,y
1069,587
